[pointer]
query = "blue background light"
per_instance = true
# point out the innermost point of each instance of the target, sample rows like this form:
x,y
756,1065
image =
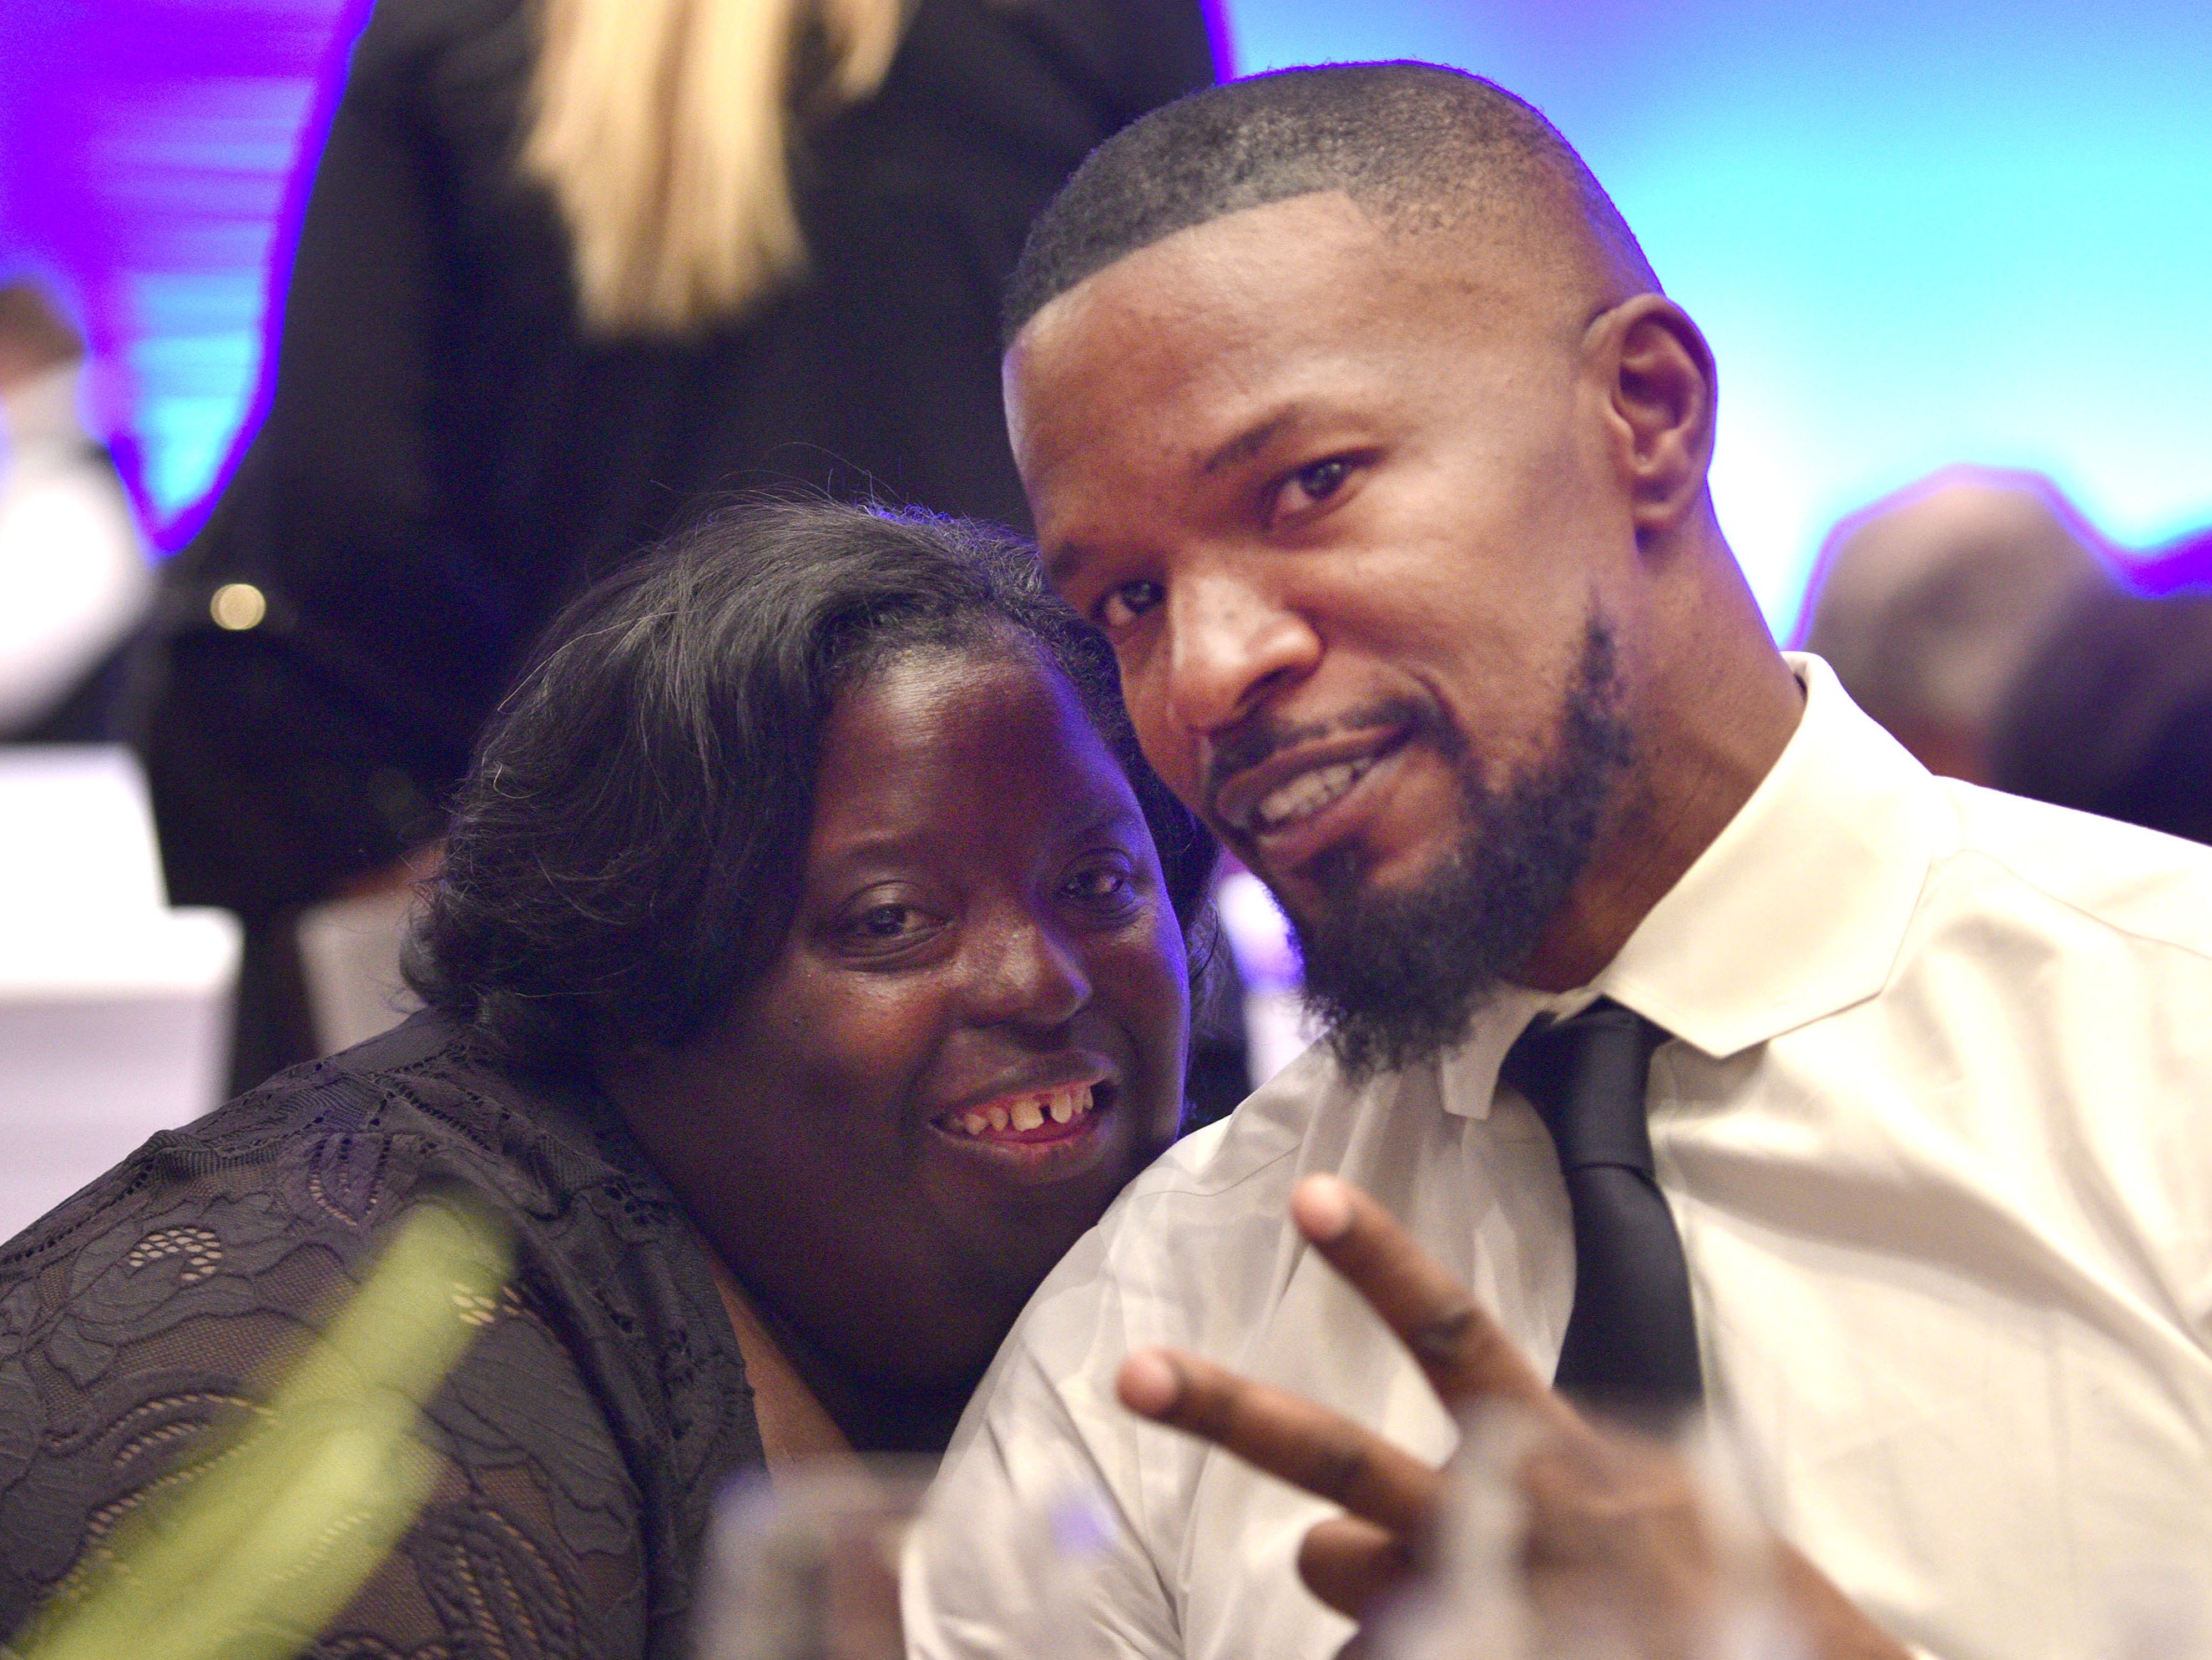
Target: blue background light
x,y
1916,232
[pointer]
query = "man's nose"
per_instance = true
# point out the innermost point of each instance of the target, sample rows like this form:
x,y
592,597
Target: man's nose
x,y
1232,646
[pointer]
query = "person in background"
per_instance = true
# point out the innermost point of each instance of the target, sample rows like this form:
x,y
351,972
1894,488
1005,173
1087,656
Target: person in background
x,y
787,1056
566,269
75,576
2113,715
2185,564
1928,604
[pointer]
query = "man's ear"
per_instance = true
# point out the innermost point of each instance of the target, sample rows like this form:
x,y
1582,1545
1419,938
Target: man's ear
x,y
1662,395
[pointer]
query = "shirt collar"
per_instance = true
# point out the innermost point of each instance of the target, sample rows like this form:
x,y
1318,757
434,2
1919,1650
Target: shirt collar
x,y
1795,911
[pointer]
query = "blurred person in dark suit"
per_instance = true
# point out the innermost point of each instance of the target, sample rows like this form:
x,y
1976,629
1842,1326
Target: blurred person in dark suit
x,y
2113,716
1928,604
565,270
73,575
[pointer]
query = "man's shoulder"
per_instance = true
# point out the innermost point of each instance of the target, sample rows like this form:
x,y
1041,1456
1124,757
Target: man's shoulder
x,y
2127,883
1192,1245
1245,1163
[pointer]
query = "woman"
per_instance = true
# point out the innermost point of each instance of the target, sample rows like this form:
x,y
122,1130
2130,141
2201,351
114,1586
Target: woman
x,y
567,267
805,975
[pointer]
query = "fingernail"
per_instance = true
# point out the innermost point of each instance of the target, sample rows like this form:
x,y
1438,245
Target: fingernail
x,y
1149,1383
1323,1206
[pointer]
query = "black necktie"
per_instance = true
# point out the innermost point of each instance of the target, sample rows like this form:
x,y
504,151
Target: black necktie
x,y
1632,1342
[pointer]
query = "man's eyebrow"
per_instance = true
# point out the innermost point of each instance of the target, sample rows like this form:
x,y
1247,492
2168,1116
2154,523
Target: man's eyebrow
x,y
1061,566
1247,443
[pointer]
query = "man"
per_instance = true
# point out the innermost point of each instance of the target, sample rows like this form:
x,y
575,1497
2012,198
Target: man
x,y
1350,409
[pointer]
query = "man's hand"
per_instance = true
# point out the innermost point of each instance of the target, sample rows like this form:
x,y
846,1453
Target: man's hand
x,y
1614,1520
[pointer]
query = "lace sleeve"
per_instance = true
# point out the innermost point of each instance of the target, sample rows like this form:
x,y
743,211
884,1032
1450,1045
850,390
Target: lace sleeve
x,y
529,1548
131,1357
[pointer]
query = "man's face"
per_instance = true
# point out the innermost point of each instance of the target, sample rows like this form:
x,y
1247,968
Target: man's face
x,y
1347,508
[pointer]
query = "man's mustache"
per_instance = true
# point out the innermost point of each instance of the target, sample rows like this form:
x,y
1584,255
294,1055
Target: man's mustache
x,y
1260,739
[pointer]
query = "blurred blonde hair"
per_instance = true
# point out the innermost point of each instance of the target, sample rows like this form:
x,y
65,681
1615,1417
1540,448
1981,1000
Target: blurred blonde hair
x,y
663,128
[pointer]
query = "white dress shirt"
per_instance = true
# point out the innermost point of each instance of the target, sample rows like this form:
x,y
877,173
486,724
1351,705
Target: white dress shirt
x,y
1936,1127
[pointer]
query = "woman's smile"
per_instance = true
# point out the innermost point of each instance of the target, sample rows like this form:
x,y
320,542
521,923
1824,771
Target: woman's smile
x,y
972,1037
1035,1136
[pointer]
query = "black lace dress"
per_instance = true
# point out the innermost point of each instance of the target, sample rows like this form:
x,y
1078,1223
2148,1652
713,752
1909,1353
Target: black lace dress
x,y
581,1439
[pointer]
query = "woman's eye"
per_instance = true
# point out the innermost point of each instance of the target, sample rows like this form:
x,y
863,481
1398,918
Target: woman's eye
x,y
1125,604
1103,887
885,921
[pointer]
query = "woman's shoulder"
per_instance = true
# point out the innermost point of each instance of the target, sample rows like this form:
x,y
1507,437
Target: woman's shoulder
x,y
1038,83
274,1205
334,1146
401,33
144,1324
451,73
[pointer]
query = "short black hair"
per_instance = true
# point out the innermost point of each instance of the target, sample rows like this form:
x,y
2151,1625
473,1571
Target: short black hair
x,y
625,854
1411,143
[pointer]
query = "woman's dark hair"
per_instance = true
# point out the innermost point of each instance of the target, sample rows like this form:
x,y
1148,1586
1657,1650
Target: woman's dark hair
x,y
625,854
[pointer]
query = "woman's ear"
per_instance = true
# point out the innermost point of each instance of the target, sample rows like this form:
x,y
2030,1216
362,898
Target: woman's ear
x,y
1663,392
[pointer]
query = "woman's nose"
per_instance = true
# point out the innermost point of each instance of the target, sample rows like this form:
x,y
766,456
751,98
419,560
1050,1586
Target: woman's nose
x,y
1028,977
1231,645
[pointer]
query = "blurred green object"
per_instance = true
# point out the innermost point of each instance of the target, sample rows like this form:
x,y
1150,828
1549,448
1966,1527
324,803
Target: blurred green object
x,y
254,1550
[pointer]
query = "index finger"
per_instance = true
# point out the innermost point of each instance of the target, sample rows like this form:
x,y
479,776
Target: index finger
x,y
1465,1353
1306,1445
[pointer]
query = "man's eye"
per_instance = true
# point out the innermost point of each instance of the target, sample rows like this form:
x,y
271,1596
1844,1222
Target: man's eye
x,y
1321,480
1125,604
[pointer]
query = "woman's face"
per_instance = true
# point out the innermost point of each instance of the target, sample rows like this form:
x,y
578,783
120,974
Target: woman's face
x,y
973,1039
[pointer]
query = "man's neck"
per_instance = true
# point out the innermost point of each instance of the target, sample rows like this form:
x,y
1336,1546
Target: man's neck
x,y
1713,719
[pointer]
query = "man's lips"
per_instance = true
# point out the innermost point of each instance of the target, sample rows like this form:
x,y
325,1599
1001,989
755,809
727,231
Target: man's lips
x,y
1299,782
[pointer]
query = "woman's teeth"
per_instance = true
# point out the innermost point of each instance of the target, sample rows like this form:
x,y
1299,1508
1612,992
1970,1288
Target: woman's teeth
x,y
1308,792
1027,1113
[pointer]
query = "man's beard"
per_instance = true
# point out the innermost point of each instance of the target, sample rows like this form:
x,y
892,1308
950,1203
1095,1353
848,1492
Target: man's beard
x,y
1394,976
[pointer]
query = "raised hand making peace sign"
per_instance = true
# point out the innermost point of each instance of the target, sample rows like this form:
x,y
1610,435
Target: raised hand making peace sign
x,y
1612,1517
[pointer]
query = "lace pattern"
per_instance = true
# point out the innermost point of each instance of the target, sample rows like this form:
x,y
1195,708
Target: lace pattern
x,y
580,1438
